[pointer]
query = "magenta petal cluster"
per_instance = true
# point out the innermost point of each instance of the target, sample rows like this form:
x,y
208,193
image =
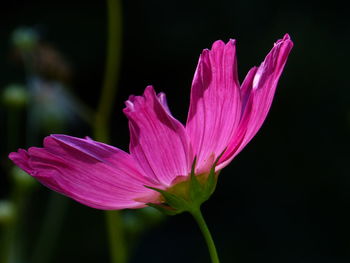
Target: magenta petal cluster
x,y
223,117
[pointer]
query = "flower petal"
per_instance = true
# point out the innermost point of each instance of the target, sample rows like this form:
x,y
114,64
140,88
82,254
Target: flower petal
x,y
258,92
93,173
157,140
215,107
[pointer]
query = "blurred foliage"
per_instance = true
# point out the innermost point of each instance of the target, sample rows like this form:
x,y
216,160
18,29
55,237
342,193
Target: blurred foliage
x,y
6,212
15,96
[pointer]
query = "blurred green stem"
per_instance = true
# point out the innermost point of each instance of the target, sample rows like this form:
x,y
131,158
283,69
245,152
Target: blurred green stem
x,y
111,71
11,249
197,214
101,125
11,243
13,129
51,228
116,237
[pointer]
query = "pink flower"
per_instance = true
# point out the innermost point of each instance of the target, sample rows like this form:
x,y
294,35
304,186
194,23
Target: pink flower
x,y
223,117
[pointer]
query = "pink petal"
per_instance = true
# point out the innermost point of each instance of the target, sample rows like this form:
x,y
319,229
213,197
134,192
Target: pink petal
x,y
157,141
21,159
215,108
258,91
162,99
92,173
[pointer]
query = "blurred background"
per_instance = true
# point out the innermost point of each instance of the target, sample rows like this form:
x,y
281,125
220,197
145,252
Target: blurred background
x,y
285,198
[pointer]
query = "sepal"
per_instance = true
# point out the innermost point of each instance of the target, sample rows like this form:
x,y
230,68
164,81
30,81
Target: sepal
x,y
187,195
167,210
174,201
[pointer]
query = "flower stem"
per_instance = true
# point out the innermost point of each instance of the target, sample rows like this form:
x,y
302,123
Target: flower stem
x,y
101,124
197,214
116,237
111,76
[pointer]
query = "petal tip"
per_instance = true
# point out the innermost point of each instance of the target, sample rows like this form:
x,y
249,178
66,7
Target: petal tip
x,y
218,44
286,36
232,41
21,159
135,102
285,40
129,106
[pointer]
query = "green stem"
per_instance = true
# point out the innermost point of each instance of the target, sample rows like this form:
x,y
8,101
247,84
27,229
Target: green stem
x,y
111,71
116,236
101,125
197,214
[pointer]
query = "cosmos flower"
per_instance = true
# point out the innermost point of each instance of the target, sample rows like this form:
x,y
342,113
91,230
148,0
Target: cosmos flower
x,y
223,117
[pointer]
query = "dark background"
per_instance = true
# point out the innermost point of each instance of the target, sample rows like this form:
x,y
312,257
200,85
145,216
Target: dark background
x,y
286,197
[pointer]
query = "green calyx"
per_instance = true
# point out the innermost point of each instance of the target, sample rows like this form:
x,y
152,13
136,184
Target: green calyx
x,y
187,195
